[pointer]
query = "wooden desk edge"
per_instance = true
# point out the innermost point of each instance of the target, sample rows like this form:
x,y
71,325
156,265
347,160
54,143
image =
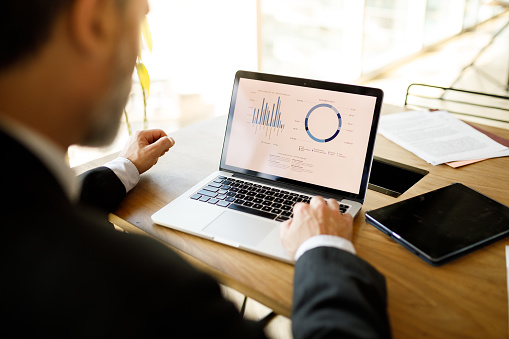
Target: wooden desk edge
x,y
222,278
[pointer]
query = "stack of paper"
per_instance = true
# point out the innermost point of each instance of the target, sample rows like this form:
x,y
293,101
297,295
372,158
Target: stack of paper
x,y
438,137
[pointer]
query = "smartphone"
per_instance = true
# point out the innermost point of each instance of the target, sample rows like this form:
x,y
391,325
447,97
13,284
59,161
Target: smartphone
x,y
393,178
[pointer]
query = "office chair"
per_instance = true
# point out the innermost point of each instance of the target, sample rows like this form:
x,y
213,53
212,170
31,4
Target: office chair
x,y
458,101
265,320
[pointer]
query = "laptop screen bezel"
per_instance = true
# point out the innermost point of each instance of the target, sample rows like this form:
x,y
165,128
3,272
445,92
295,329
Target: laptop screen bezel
x,y
318,84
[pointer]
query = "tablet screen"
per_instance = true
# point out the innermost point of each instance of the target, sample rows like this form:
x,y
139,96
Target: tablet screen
x,y
444,223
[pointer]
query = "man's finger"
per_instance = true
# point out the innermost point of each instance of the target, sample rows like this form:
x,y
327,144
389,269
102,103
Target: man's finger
x,y
300,208
161,145
317,201
348,217
333,204
172,141
284,226
152,135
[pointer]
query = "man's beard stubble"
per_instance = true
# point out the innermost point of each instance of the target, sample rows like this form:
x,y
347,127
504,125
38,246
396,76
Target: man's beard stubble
x,y
106,117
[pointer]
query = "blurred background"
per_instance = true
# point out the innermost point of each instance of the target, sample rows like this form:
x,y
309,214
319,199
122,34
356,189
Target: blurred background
x,y
198,45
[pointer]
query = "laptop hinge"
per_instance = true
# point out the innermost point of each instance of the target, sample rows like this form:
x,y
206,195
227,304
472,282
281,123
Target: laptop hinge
x,y
291,187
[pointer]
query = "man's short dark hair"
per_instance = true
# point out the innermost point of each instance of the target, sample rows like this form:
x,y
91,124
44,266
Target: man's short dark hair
x,y
25,25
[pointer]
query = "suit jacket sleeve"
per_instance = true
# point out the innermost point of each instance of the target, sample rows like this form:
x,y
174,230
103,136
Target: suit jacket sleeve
x,y
101,189
338,295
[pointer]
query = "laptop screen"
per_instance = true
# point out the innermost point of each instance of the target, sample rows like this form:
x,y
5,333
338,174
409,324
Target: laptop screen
x,y
301,131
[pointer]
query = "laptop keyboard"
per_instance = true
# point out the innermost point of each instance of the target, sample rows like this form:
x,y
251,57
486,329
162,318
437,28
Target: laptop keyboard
x,y
244,196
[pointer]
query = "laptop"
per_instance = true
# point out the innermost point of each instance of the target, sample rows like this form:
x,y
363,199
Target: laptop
x,y
287,139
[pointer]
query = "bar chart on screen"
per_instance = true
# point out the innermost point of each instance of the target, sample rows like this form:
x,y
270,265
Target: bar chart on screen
x,y
267,118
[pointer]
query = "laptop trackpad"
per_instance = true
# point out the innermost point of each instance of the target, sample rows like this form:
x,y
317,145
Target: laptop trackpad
x,y
239,228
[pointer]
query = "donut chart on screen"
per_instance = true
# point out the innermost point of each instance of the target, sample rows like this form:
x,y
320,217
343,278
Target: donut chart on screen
x,y
307,121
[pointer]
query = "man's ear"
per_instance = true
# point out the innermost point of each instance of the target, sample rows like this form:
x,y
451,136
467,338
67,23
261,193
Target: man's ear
x,y
93,26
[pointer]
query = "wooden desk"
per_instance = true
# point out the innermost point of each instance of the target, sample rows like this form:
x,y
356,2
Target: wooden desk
x,y
466,298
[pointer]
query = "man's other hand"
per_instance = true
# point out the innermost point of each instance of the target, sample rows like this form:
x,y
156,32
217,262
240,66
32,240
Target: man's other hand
x,y
145,147
318,217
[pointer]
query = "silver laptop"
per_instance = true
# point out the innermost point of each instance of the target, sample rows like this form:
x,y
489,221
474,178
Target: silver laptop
x,y
287,139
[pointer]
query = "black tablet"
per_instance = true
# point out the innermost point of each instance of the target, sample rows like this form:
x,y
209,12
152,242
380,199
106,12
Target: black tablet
x,y
443,224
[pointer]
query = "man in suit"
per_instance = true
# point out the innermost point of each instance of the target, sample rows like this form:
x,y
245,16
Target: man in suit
x,y
65,74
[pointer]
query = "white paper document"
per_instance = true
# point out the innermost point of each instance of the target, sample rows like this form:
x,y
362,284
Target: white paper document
x,y
438,137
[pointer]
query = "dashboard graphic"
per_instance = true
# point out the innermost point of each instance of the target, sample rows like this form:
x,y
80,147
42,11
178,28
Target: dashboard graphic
x,y
306,123
300,133
266,117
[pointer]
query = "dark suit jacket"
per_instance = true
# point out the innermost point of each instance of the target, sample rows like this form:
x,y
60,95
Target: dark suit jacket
x,y
66,272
